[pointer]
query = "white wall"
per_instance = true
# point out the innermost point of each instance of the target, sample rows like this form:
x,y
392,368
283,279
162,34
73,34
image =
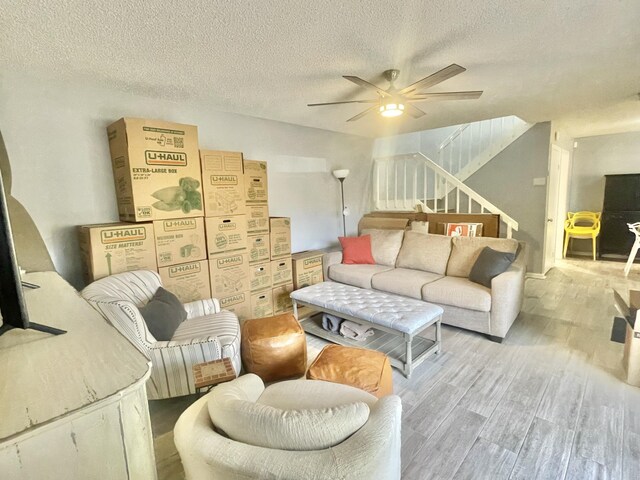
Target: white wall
x,y
596,157
55,134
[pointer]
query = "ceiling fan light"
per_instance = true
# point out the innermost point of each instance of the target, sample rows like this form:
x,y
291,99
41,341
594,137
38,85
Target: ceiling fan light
x,y
391,109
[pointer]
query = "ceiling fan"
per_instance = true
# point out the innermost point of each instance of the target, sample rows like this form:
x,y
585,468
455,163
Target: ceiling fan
x,y
393,102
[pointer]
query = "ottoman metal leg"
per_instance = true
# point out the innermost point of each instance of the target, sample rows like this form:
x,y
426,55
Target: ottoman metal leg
x,y
408,364
439,335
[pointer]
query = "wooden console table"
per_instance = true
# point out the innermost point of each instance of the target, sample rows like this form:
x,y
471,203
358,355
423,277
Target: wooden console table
x,y
73,405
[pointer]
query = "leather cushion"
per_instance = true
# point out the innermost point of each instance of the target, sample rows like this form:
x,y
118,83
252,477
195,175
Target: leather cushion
x,y
274,348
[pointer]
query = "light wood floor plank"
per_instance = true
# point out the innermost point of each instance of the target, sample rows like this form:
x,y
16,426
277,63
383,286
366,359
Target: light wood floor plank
x,y
545,452
442,453
486,461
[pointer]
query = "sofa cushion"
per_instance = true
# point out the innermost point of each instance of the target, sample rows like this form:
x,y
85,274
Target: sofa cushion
x,y
261,425
428,253
466,250
458,292
356,275
385,245
490,263
356,250
298,394
403,281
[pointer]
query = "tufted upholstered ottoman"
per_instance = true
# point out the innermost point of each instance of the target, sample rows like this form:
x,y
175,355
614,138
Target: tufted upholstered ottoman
x,y
274,348
367,370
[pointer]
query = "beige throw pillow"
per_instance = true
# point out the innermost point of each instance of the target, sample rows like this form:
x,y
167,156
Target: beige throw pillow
x,y
252,423
385,245
419,226
429,253
466,250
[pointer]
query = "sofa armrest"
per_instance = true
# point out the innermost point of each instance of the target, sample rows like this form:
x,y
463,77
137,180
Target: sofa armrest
x,y
200,308
328,259
186,343
507,294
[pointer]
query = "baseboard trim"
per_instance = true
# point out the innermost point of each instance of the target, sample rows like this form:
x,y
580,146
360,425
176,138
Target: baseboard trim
x,y
537,276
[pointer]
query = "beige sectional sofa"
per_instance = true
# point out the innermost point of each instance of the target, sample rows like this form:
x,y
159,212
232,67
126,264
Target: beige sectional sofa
x,y
435,268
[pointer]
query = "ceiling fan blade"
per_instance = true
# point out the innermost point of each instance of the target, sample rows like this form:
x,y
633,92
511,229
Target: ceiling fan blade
x,y
434,79
415,112
365,84
420,97
362,114
340,103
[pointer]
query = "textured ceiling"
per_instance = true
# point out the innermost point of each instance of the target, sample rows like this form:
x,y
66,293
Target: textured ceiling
x,y
536,59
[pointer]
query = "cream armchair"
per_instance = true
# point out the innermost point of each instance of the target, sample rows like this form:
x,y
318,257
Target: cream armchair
x,y
373,451
208,333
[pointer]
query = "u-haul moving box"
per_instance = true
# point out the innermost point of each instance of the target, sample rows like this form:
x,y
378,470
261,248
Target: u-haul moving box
x,y
187,281
255,182
280,237
281,272
260,276
262,304
281,299
259,249
116,247
229,274
226,234
156,168
257,219
222,183
307,268
179,240
238,303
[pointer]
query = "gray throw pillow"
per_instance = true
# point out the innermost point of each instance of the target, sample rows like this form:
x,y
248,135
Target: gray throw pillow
x,y
162,314
490,263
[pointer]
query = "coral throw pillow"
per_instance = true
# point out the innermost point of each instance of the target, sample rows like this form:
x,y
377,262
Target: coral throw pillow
x,y
356,250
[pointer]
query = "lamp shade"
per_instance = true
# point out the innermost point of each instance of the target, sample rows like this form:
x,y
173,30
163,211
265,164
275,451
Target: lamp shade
x,y
340,174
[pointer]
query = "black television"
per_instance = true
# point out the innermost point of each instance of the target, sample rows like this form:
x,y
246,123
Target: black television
x,y
13,308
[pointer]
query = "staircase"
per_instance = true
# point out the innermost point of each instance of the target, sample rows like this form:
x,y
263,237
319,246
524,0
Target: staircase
x,y
473,145
401,182
406,181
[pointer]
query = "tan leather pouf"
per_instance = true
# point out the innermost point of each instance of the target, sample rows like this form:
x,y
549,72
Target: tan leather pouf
x,y
274,348
365,369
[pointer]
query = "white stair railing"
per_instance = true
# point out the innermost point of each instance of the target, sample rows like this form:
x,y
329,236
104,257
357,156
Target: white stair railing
x,y
401,182
472,145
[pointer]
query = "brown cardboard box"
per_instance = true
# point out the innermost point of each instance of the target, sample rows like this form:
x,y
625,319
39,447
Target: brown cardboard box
x,y
307,268
238,303
229,274
156,168
110,248
280,237
281,272
260,276
226,234
281,299
262,304
255,182
188,281
257,219
222,183
179,240
259,249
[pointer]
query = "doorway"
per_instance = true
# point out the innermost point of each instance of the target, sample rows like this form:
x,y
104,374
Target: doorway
x,y
556,210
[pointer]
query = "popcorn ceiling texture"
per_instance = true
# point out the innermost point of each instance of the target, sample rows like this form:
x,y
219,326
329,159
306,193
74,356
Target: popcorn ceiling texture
x,y
268,58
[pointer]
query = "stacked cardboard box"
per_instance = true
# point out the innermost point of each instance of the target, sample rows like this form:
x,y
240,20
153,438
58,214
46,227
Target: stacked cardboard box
x,y
226,230
111,248
157,176
256,198
281,266
307,268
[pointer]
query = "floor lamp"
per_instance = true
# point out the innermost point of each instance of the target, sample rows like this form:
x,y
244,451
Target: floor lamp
x,y
341,175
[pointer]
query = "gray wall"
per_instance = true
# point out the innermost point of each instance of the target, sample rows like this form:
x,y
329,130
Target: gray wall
x,y
596,157
507,182
55,134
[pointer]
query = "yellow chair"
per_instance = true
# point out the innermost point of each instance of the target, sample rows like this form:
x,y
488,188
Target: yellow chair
x,y
581,225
